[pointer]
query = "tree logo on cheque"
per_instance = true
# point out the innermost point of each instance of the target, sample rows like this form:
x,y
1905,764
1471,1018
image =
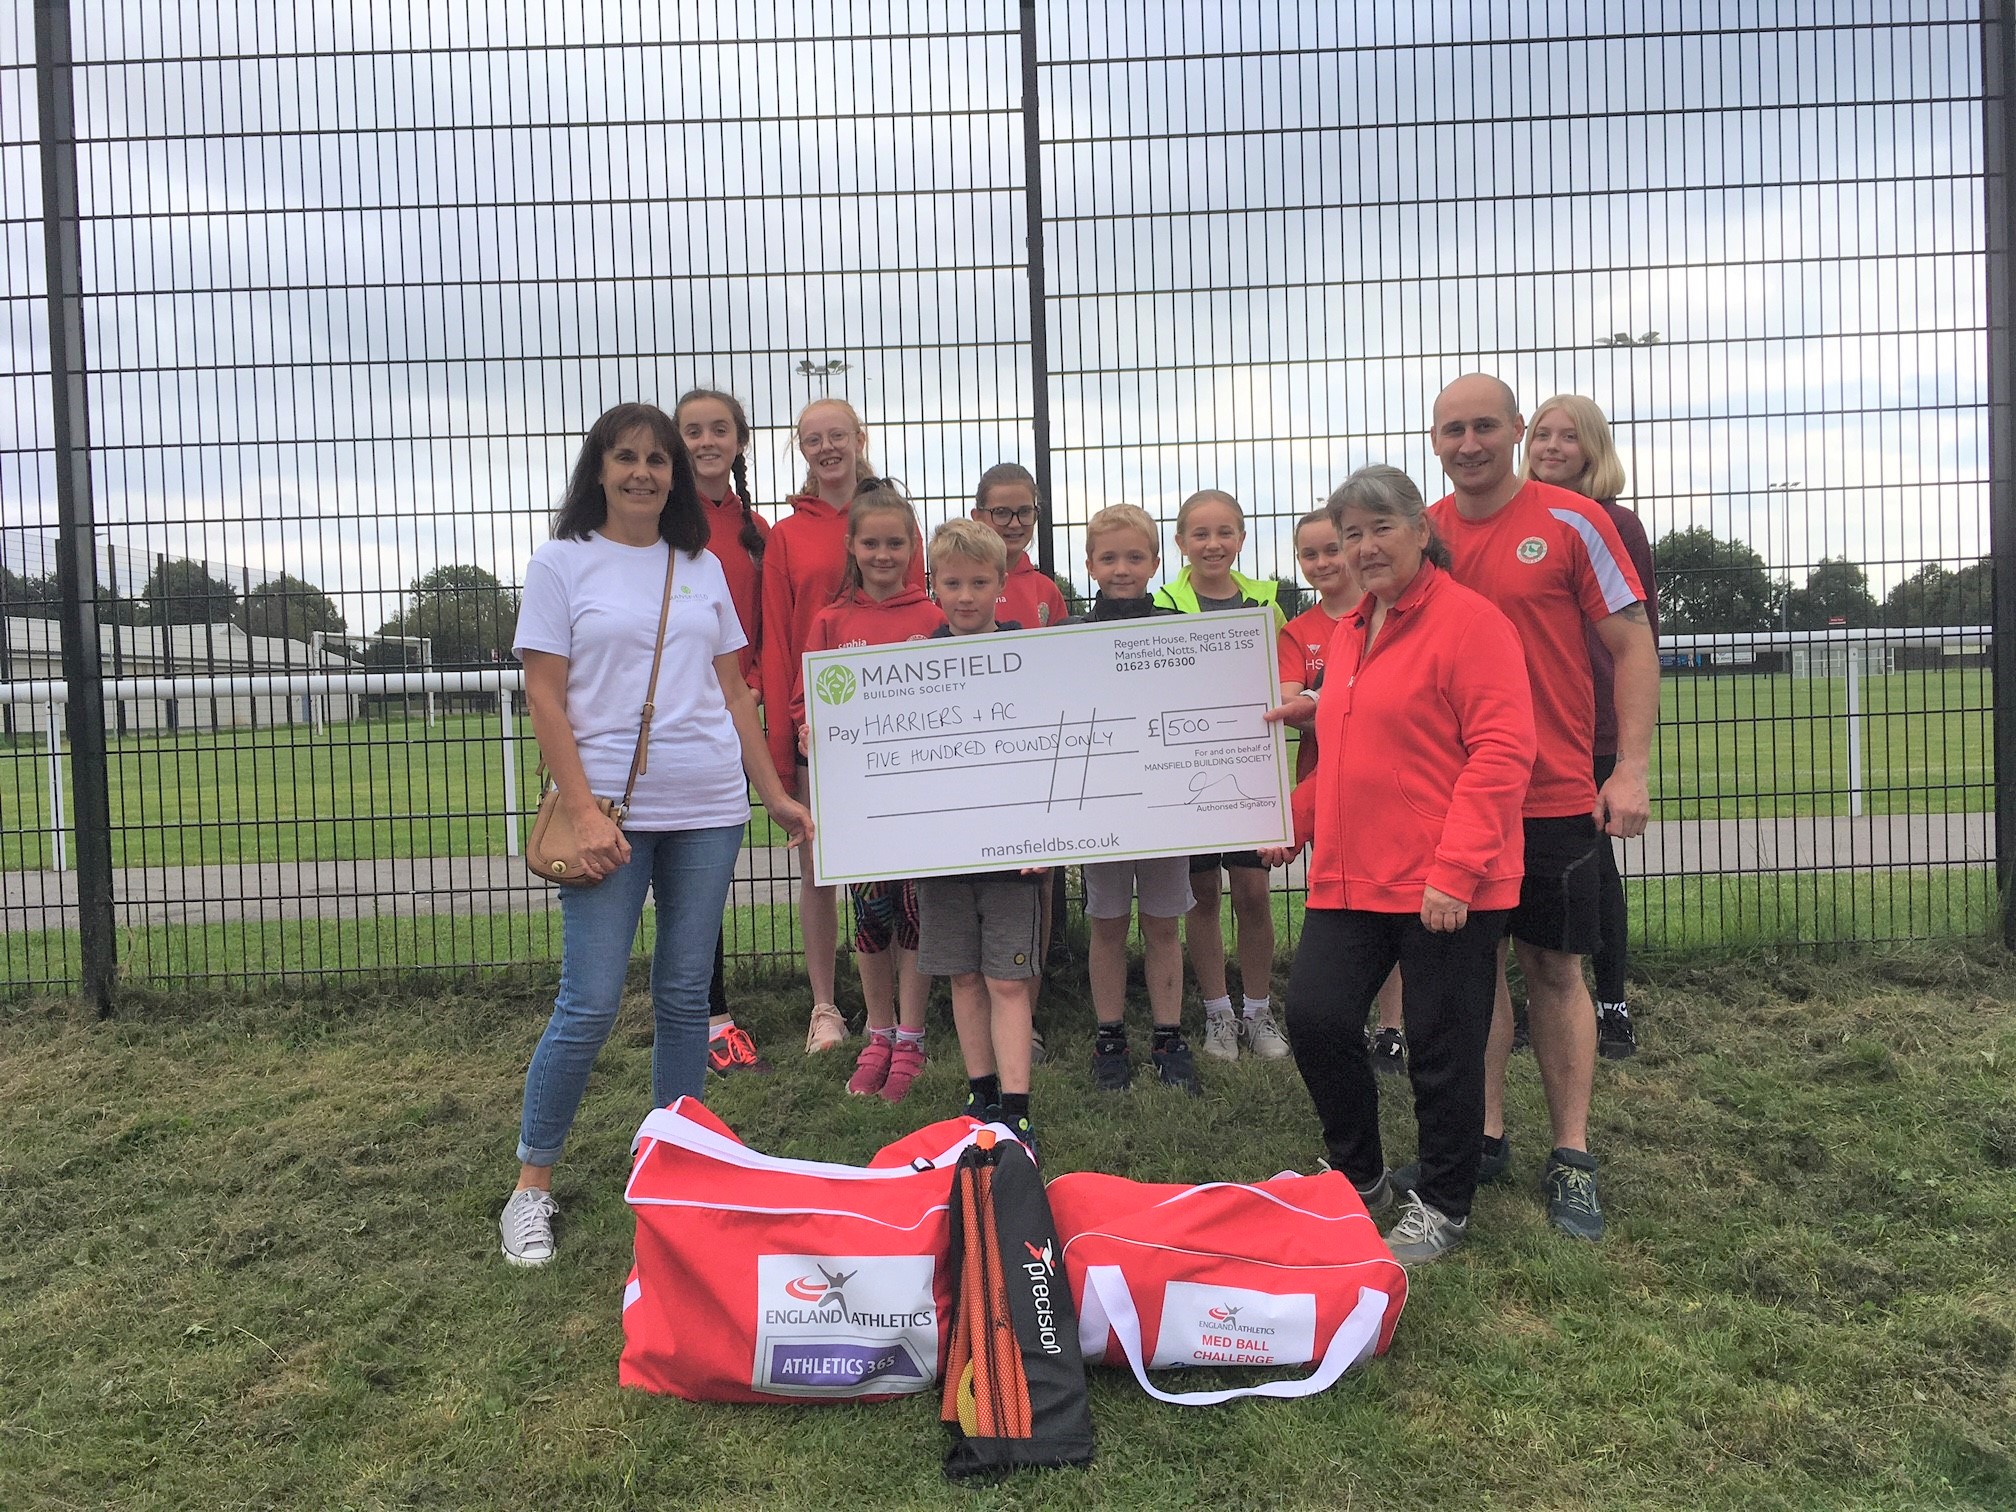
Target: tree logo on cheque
x,y
834,685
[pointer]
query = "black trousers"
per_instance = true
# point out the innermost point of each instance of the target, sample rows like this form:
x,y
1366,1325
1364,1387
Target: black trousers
x,y
1611,954
1447,982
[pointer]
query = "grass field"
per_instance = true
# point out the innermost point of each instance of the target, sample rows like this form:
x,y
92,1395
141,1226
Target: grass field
x,y
252,1262
1728,746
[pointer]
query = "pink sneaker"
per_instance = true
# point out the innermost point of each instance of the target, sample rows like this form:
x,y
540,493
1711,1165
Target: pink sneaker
x,y
904,1064
871,1070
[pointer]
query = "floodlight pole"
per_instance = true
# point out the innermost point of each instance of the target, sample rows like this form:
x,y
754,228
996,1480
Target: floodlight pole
x,y
1998,118
76,539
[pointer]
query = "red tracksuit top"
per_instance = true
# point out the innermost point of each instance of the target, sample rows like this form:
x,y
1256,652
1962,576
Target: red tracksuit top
x,y
1029,597
858,620
1424,751
802,566
724,539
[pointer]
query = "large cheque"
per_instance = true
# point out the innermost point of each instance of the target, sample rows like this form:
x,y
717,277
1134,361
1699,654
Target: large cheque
x,y
1043,747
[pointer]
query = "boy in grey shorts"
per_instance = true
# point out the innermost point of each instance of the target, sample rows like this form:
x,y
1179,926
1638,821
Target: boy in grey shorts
x,y
983,930
1123,549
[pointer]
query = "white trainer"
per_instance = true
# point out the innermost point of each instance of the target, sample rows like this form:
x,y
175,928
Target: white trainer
x,y
527,1226
1221,1036
1264,1037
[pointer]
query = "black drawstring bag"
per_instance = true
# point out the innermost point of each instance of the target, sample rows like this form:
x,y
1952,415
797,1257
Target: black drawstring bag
x,y
1014,1379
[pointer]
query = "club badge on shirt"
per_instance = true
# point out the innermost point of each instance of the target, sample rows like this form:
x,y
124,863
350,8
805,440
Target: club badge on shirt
x,y
1531,550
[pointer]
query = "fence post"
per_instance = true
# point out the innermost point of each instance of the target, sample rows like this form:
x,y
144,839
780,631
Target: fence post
x,y
507,718
1998,120
76,542
54,734
1039,328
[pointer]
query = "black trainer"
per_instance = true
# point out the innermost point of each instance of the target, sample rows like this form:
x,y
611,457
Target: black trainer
x,y
1177,1067
1112,1068
1389,1053
1614,1037
1570,1184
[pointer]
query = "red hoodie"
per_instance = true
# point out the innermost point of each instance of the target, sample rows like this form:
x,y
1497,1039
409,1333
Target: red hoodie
x,y
858,620
1029,597
802,567
1425,751
724,539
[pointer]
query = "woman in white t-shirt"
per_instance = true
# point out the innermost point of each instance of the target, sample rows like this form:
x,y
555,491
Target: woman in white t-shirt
x,y
587,626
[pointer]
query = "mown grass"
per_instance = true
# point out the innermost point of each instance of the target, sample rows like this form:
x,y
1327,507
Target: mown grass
x,y
1746,746
252,1263
1729,746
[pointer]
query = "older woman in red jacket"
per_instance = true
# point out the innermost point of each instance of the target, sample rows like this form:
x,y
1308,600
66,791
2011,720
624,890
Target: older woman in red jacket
x,y
1424,729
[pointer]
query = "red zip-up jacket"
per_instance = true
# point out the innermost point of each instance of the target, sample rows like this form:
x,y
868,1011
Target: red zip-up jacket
x,y
858,620
724,539
802,567
1424,751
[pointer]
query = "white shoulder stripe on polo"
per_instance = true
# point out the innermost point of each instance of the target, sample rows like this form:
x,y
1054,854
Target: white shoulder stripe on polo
x,y
1609,576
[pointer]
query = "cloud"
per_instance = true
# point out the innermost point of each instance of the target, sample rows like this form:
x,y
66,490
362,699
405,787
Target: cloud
x,y
362,275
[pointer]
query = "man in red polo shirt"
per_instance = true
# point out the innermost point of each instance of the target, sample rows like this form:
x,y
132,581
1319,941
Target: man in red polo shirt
x,y
1553,563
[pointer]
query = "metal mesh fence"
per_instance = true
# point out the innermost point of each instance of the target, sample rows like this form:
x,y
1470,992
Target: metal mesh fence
x,y
356,279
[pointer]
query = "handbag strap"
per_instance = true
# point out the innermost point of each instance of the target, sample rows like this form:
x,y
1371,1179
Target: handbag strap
x,y
1108,1304
639,762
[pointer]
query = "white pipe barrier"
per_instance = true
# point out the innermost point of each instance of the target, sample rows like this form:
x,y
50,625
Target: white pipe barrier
x,y
52,693
231,685
56,824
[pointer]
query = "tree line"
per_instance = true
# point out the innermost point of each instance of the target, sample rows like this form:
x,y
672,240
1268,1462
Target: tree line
x,y
1708,585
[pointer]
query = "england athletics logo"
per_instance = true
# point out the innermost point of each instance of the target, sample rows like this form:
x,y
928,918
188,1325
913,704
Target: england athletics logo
x,y
1531,550
845,1325
834,685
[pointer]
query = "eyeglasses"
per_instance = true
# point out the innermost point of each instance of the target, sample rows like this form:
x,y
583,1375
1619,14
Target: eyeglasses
x,y
831,438
1025,515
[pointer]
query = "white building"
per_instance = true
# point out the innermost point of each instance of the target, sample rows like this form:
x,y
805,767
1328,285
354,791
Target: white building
x,y
31,650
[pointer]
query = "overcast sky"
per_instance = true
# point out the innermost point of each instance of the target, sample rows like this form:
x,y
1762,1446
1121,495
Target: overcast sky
x,y
358,288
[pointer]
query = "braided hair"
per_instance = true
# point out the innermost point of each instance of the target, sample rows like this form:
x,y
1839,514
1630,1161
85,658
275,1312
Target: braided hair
x,y
751,537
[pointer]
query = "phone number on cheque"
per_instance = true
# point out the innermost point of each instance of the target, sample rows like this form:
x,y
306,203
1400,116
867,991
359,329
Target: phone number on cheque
x,y
1155,664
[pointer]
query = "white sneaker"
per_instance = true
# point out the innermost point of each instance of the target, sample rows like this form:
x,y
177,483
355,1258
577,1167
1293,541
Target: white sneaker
x,y
1264,1037
1221,1036
1424,1233
527,1226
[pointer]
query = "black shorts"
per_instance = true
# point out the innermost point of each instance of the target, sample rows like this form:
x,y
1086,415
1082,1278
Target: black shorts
x,y
1243,860
1560,902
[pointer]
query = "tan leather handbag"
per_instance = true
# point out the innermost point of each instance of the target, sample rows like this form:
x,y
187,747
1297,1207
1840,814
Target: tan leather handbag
x,y
553,849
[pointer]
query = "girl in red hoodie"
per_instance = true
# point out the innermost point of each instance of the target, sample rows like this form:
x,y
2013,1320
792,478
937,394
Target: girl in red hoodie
x,y
878,605
802,566
1424,723
715,428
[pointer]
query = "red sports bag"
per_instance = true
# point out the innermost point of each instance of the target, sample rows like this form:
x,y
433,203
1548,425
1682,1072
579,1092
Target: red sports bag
x,y
760,1279
1284,1272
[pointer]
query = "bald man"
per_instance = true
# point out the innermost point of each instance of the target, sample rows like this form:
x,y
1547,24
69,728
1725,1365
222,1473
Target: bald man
x,y
1553,562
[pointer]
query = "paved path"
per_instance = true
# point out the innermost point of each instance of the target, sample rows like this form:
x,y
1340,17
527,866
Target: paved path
x,y
492,884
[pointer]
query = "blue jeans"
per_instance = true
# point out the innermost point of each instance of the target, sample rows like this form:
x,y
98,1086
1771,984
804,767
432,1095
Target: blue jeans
x,y
688,872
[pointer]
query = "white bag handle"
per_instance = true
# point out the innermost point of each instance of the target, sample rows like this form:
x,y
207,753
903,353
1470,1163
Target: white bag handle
x,y
1108,1304
669,1126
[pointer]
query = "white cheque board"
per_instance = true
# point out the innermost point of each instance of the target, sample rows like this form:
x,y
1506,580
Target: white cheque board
x,y
1045,747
